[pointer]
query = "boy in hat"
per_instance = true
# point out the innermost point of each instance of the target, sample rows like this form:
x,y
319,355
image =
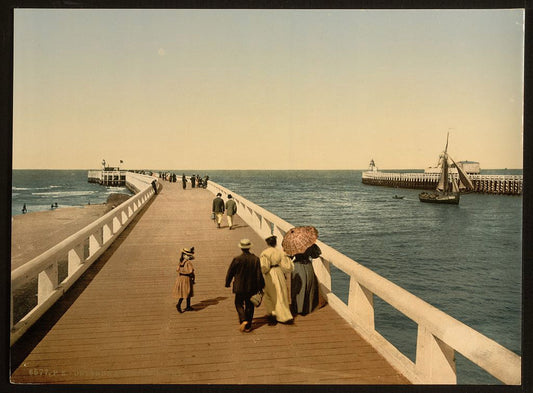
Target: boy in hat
x,y
245,271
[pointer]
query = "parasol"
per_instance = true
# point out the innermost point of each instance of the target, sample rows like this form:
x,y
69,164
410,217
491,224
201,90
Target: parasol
x,y
299,239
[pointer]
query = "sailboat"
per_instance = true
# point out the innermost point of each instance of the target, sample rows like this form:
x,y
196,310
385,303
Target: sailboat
x,y
448,189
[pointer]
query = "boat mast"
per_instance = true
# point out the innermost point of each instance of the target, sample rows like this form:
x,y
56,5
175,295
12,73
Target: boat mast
x,y
443,185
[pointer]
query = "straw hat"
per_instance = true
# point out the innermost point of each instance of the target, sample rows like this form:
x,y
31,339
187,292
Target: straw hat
x,y
188,251
245,244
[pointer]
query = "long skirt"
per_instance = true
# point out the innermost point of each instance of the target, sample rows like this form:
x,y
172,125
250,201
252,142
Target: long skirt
x,y
183,287
276,296
304,288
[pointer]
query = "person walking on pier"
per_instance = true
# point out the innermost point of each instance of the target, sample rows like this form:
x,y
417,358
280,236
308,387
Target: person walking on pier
x,y
304,284
231,210
218,208
193,181
184,181
245,271
184,285
274,264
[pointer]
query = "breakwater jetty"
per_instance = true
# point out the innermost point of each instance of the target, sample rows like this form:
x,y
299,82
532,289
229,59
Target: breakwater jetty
x,y
120,309
488,184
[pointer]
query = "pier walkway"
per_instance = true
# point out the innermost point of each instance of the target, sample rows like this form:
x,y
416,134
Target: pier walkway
x,y
118,323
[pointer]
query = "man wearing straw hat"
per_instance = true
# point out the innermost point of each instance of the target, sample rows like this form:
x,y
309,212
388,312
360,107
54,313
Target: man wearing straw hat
x,y
245,271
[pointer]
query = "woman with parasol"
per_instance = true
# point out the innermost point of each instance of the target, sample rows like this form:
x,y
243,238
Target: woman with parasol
x,y
300,243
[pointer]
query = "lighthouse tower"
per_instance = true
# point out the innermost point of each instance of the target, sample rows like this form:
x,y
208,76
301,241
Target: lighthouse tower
x,y
372,166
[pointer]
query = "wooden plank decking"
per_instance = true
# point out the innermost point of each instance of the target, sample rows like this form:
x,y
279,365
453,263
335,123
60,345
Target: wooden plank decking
x,y
119,323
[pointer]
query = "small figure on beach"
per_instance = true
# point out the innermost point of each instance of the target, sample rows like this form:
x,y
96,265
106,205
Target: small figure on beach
x,y
184,181
218,208
193,181
231,210
274,264
24,210
184,285
245,271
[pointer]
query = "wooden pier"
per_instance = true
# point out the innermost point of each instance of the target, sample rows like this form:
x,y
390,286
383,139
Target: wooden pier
x,y
118,323
487,184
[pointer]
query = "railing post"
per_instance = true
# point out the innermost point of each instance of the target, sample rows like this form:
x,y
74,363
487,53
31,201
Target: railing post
x,y
95,241
265,229
107,233
323,272
435,360
47,282
116,224
75,258
279,233
245,213
361,304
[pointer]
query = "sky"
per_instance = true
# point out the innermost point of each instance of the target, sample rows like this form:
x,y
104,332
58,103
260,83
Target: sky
x,y
266,89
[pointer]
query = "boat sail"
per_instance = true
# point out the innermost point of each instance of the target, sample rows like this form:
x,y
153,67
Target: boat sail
x,y
448,189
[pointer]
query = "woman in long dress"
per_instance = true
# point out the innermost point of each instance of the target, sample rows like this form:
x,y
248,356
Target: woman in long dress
x,y
274,264
184,285
304,284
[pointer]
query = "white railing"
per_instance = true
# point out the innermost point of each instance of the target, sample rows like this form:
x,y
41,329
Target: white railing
x,y
97,237
439,335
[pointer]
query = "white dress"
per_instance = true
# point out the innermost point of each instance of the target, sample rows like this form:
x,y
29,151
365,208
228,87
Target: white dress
x,y
274,264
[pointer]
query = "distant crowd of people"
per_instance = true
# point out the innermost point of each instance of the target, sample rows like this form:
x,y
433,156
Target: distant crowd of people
x,y
196,181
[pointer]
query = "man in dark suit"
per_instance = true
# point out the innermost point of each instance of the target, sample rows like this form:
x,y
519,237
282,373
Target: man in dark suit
x,y
218,208
231,210
245,271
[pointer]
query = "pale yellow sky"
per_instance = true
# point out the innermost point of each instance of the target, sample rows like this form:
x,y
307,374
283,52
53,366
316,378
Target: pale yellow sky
x,y
266,89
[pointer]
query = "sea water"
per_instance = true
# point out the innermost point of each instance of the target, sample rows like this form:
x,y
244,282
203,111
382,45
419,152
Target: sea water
x,y
40,189
465,259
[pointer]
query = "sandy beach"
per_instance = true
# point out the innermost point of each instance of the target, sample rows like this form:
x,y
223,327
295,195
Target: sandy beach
x,y
34,233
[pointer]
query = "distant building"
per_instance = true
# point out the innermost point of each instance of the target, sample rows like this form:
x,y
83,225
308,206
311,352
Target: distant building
x,y
470,167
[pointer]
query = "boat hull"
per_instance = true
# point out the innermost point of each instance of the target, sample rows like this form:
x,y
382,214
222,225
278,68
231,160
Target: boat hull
x,y
450,199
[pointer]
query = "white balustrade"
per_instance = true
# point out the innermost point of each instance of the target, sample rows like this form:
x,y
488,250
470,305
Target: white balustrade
x,y
439,335
98,236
